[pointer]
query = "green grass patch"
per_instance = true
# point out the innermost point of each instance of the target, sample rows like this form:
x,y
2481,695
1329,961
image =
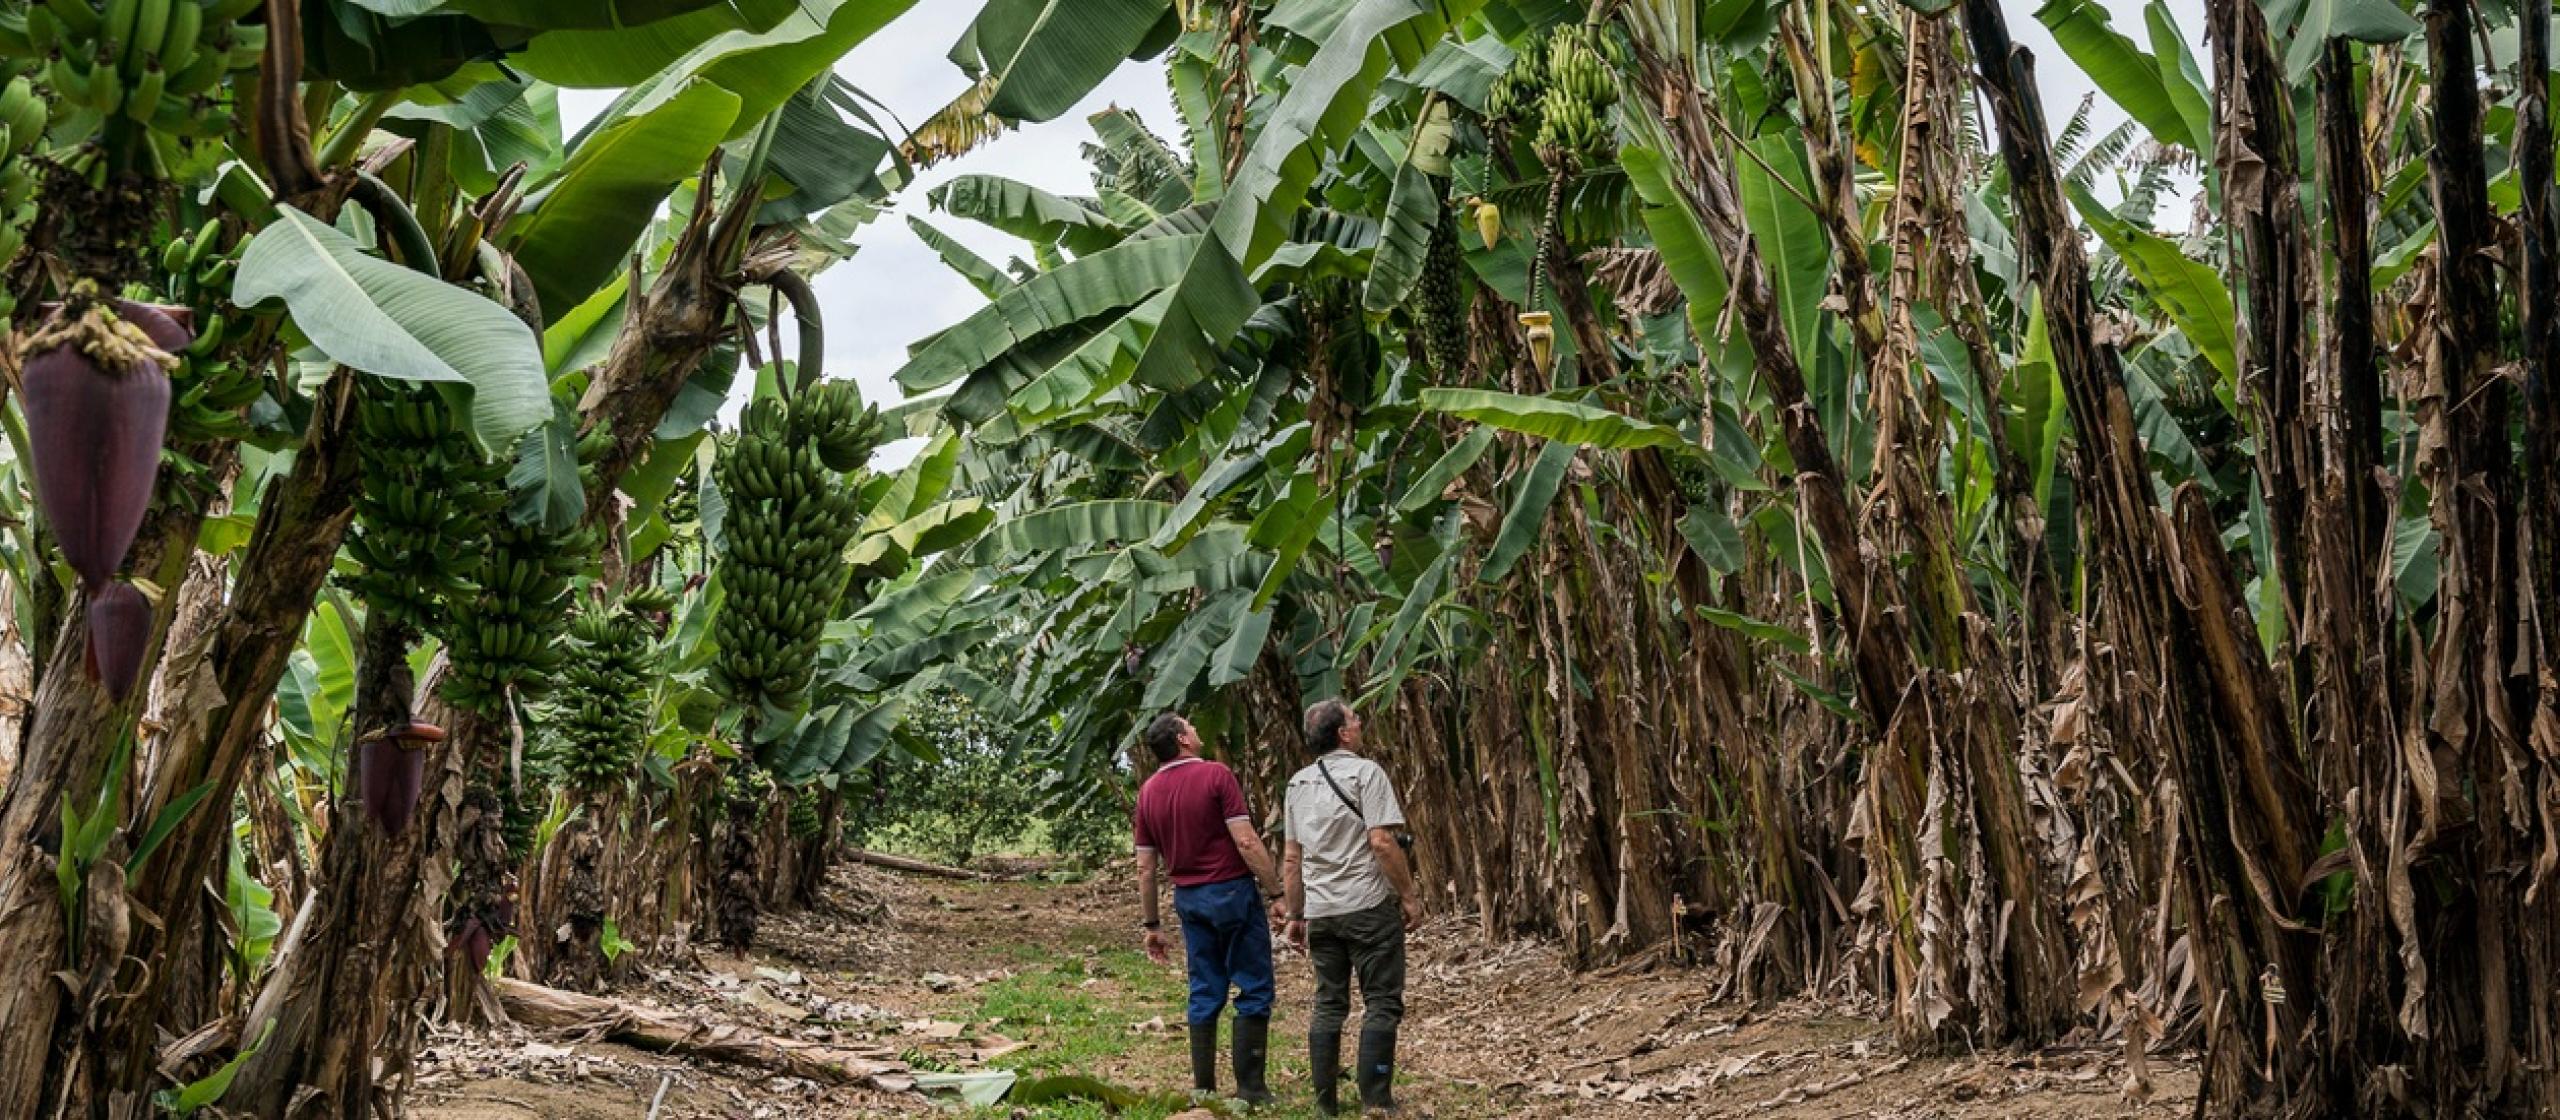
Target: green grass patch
x,y
1082,1012
1079,1026
1080,1007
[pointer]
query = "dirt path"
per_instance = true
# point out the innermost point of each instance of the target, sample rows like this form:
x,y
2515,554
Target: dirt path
x,y
1043,979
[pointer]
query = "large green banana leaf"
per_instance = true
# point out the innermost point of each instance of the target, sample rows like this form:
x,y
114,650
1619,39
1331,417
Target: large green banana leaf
x,y
1204,310
1046,55
1086,287
837,740
2188,289
902,614
762,67
1178,663
1326,101
1528,514
1082,381
980,272
1774,189
1077,525
1550,418
1444,470
549,15
1027,212
578,230
1287,527
2151,89
2312,23
922,483
379,318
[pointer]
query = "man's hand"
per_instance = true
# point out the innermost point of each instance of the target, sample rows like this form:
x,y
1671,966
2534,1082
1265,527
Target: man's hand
x,y
1159,949
1297,933
1412,913
1279,911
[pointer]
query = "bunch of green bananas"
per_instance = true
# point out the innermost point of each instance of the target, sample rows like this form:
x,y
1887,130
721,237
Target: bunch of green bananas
x,y
805,820
154,61
425,490
216,385
782,549
22,121
505,634
1517,91
831,417
199,266
1695,479
599,716
1577,92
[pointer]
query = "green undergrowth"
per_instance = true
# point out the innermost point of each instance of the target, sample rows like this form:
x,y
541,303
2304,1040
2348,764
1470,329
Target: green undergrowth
x,y
1112,1015
1105,1012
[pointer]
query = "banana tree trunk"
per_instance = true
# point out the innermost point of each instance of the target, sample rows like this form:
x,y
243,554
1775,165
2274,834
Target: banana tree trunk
x,y
738,896
2208,708
1946,828
69,733
2261,206
334,989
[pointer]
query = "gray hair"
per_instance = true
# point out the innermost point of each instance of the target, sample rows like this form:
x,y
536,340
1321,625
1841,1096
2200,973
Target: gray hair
x,y
1323,727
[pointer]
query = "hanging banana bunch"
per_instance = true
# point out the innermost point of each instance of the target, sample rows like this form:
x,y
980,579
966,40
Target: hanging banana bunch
x,y
806,821
216,383
22,125
425,489
782,554
1575,95
506,637
599,716
159,63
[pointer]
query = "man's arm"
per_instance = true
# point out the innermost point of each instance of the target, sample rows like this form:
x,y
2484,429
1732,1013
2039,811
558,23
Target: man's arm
x,y
1382,843
1293,891
1256,857
1150,916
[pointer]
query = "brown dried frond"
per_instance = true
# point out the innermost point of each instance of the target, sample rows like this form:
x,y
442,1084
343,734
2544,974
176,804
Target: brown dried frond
x,y
956,129
1635,278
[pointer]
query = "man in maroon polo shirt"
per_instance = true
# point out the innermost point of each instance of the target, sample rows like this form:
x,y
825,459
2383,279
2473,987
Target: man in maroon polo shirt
x,y
1193,825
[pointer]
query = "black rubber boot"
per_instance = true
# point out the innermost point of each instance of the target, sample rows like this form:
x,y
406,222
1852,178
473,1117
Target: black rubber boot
x,y
1252,1045
1204,1058
1378,1070
1324,1060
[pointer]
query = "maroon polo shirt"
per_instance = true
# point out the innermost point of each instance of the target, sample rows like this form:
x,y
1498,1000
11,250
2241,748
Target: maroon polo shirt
x,y
1182,816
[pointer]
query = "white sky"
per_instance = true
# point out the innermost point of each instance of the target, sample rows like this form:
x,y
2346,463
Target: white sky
x,y
895,290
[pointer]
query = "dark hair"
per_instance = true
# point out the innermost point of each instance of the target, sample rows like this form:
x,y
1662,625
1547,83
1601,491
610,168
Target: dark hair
x,y
1164,736
1324,726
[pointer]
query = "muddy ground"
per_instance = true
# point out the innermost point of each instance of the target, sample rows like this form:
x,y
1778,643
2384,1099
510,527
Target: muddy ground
x,y
1042,978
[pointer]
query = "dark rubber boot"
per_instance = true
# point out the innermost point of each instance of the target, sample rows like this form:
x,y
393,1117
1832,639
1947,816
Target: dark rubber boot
x,y
1378,1070
1324,1060
1252,1045
1204,1058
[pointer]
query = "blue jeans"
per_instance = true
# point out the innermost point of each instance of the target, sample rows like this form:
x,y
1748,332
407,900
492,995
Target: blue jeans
x,y
1226,939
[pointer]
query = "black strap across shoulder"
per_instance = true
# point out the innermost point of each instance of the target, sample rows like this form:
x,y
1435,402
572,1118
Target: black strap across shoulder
x,y
1347,803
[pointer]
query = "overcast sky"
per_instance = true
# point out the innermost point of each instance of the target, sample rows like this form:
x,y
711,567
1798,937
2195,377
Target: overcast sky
x,y
895,290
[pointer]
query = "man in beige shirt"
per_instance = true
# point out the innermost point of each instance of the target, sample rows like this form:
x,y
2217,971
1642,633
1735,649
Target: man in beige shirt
x,y
1350,899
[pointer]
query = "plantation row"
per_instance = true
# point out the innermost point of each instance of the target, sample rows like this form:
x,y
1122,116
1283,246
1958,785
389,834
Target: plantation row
x,y
1775,491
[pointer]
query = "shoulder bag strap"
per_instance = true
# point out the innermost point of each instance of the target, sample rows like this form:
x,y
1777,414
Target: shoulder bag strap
x,y
1347,802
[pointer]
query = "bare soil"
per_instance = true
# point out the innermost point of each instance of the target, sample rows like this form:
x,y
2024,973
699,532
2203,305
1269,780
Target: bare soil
x,y
901,965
